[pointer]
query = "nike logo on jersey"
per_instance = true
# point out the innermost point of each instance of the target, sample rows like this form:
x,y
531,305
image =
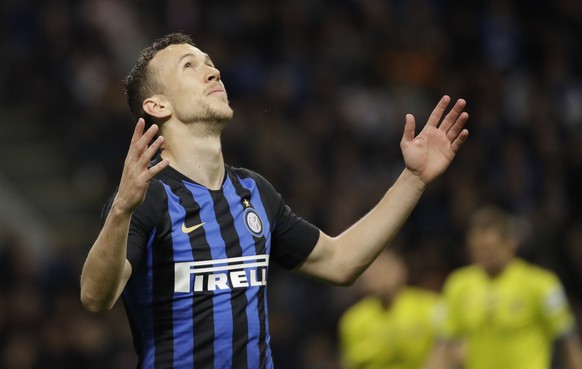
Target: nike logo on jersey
x,y
191,229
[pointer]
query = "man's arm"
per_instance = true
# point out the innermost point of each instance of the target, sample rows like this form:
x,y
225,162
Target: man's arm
x,y
106,269
572,351
444,355
341,259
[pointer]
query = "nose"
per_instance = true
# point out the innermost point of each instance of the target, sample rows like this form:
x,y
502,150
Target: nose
x,y
213,75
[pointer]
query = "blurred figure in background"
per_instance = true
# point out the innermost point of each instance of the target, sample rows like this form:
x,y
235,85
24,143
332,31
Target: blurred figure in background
x,y
503,311
392,327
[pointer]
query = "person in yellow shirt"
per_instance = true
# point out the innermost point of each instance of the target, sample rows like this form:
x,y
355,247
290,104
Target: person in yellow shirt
x,y
392,327
505,312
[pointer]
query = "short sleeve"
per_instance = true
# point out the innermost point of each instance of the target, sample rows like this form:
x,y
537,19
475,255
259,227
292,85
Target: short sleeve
x,y
293,238
554,306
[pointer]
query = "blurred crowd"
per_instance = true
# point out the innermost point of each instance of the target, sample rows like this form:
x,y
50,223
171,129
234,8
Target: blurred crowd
x,y
320,89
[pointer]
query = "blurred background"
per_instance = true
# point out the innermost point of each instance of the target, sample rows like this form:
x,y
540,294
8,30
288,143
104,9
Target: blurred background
x,y
320,89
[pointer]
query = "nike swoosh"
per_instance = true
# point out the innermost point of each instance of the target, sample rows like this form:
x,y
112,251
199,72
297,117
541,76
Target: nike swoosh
x,y
190,229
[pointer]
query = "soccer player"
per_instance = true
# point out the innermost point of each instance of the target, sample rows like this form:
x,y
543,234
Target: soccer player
x,y
502,310
188,239
393,326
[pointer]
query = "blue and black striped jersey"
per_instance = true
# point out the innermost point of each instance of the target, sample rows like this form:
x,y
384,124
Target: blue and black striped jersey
x,y
197,294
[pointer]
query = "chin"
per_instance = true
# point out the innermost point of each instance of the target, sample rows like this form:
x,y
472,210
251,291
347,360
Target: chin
x,y
216,114
223,117
221,111
228,113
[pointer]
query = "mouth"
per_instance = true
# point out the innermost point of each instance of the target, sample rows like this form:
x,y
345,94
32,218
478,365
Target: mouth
x,y
215,91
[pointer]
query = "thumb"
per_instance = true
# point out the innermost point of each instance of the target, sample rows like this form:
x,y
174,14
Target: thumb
x,y
409,128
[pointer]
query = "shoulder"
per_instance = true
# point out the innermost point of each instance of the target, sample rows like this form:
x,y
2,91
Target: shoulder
x,y
244,173
419,301
251,179
150,211
421,295
536,276
462,280
464,275
366,306
532,270
156,187
155,193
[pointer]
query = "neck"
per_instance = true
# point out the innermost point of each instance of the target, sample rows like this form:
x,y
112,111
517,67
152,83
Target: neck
x,y
195,150
494,272
389,296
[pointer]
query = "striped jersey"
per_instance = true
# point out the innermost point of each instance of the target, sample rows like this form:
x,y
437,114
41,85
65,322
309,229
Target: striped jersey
x,y
197,294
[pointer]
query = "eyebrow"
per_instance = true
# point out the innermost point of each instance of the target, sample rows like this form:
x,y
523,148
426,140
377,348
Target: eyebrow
x,y
206,58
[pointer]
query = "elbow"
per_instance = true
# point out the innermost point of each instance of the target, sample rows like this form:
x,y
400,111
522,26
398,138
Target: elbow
x,y
341,274
92,304
348,281
345,282
346,277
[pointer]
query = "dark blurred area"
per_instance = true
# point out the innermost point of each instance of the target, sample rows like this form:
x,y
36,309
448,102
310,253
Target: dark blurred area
x,y
320,89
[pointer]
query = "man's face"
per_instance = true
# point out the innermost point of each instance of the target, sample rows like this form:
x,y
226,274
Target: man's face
x,y
191,83
490,249
385,276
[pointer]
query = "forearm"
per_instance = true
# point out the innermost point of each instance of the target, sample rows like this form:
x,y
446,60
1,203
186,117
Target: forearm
x,y
103,271
343,258
340,260
360,244
573,351
445,355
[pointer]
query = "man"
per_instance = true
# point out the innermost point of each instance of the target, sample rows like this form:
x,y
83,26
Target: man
x,y
393,326
188,239
505,312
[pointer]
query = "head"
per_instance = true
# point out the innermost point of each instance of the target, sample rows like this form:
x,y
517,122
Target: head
x,y
386,275
492,239
173,79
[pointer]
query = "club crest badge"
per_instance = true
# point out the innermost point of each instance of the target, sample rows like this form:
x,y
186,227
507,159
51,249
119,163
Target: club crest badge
x,y
253,222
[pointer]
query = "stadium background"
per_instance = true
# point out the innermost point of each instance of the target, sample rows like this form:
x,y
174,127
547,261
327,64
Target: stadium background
x,y
320,89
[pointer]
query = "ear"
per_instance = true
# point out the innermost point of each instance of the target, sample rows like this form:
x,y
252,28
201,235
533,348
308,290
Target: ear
x,y
157,106
513,242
